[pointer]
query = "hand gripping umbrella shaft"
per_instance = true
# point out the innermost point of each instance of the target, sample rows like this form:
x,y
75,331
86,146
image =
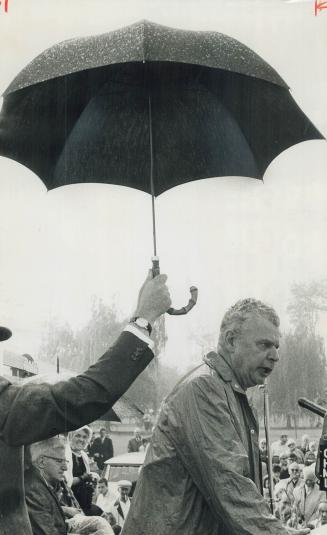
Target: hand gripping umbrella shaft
x,y
193,291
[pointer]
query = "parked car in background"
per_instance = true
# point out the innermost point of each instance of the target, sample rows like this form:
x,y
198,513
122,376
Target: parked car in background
x,y
126,466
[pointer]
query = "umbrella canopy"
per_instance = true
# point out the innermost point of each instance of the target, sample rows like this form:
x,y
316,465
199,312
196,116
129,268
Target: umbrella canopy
x,y
149,101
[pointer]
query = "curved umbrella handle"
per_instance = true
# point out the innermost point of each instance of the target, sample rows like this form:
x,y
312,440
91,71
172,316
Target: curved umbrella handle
x,y
188,307
193,290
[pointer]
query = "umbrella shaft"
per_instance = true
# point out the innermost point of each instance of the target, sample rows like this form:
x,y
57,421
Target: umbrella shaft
x,y
151,181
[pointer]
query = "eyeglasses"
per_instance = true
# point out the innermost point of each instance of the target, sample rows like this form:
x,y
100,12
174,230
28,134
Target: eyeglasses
x,y
58,460
126,489
294,470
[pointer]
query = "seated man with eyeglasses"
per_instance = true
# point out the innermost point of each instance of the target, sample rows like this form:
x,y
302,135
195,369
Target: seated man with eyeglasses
x,y
308,497
43,493
290,484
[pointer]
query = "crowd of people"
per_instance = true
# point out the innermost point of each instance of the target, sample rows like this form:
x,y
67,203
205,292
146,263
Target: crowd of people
x,y
201,473
62,490
296,495
62,493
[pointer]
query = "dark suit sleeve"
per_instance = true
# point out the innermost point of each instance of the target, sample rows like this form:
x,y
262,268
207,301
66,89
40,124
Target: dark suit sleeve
x,y
31,412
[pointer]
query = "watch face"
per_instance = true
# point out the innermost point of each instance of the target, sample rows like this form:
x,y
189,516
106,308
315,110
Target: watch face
x,y
141,322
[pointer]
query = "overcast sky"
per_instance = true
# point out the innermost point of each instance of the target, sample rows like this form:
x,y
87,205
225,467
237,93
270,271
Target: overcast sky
x,y
232,237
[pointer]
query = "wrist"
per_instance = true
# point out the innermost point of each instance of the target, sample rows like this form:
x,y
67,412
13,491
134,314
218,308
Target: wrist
x,y
142,323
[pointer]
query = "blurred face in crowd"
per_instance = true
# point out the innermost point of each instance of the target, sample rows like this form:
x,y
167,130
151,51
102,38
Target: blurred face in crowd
x,y
276,476
79,440
313,447
137,433
284,461
310,481
124,493
294,473
311,458
283,439
103,433
323,513
53,465
254,351
102,488
291,446
263,444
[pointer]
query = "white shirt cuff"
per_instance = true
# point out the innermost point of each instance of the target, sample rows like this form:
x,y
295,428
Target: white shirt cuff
x,y
130,328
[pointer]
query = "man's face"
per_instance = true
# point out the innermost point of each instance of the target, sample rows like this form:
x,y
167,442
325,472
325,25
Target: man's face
x,y
102,487
291,446
124,493
323,513
255,351
54,465
103,433
283,439
276,477
284,461
310,481
294,474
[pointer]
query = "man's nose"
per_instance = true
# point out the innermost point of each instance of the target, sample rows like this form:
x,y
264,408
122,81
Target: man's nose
x,y
274,354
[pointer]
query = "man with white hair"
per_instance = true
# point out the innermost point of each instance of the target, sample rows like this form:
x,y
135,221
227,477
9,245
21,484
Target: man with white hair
x,y
201,474
42,488
34,412
291,483
308,497
322,517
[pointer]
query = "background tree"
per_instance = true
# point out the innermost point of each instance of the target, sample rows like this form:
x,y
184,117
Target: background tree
x,y
301,371
76,351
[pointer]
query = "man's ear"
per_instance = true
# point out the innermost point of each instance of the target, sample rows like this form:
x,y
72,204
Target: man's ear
x,y
230,341
40,462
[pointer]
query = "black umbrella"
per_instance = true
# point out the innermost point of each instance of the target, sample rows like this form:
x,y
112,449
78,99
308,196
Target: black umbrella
x,y
149,107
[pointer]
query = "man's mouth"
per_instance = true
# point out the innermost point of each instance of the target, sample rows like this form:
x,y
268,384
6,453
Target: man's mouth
x,y
265,370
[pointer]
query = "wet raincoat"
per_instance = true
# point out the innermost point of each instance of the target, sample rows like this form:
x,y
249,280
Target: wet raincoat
x,y
201,472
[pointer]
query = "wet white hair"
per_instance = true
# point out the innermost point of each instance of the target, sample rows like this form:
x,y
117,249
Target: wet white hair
x,y
47,447
243,310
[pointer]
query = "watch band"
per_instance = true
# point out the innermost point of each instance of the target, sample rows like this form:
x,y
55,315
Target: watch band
x,y
142,323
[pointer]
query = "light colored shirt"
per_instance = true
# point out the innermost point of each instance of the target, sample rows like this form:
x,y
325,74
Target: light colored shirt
x,y
125,506
105,502
279,449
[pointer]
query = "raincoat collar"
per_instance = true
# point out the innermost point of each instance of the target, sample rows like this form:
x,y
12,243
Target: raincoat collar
x,y
219,363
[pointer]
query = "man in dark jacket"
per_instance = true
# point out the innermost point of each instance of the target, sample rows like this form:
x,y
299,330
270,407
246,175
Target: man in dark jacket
x,y
102,448
34,412
42,491
201,472
135,443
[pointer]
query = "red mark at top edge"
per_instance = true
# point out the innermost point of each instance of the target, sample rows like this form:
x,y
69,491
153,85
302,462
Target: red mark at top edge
x,y
319,6
6,2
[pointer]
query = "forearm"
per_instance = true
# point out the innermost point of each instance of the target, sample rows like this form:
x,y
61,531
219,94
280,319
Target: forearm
x,y
81,400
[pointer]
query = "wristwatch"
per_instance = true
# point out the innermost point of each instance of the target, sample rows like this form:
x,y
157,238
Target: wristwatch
x,y
142,323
